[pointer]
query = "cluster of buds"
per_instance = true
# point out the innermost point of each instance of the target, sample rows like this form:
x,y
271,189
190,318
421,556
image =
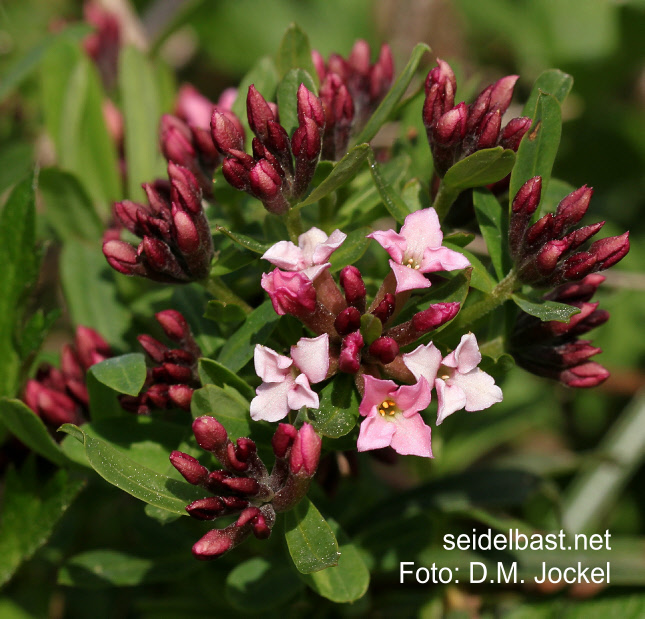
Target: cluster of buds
x,y
170,382
103,45
176,245
60,396
243,486
270,175
456,131
552,349
350,91
185,138
544,252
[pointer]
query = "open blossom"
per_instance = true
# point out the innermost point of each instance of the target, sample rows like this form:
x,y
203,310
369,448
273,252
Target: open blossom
x,y
417,250
393,419
311,254
457,379
286,381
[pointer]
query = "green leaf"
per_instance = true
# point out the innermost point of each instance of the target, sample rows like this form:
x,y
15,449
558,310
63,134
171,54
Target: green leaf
x,y
460,239
389,103
338,411
68,208
553,82
349,580
494,228
16,161
352,249
141,113
19,263
99,569
392,200
260,583
312,544
124,374
141,482
213,372
30,511
35,331
545,310
342,172
21,421
287,96
371,328
244,241
539,147
104,401
230,260
264,75
218,311
295,53
226,405
240,347
481,168
480,278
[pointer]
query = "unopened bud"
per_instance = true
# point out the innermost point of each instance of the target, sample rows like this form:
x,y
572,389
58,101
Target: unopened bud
x,y
226,136
435,316
214,544
350,353
154,348
514,131
611,250
589,374
181,396
283,439
384,310
259,113
209,433
310,107
190,468
351,281
347,321
305,452
385,349
290,292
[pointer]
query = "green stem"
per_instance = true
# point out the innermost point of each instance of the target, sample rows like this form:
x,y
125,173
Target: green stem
x,y
223,293
293,222
444,200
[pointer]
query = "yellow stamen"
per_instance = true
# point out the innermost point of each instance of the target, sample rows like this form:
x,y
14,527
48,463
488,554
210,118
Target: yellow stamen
x,y
388,407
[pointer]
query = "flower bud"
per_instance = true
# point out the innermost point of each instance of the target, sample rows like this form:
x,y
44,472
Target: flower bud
x,y
283,438
310,107
122,257
609,251
290,292
266,183
384,310
190,468
236,174
347,321
589,374
181,396
154,348
350,353
208,508
351,281
258,112
225,134
305,452
209,433
451,127
385,349
514,131
173,324
435,316
524,205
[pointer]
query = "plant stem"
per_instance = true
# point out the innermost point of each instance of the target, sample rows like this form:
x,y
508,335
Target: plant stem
x,y
223,293
444,200
293,222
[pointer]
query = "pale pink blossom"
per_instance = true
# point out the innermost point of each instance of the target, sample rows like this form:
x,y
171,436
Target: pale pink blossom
x,y
417,250
290,293
310,256
456,377
393,419
286,380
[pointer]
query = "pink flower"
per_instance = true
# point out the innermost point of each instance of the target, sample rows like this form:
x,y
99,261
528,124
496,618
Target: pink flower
x,y
457,379
392,417
286,381
417,249
290,293
309,256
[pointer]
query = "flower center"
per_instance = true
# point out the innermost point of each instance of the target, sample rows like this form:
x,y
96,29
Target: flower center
x,y
444,373
411,263
388,407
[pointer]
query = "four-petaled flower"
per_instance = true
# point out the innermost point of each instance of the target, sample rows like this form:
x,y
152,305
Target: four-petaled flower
x,y
457,379
393,419
417,250
311,254
286,381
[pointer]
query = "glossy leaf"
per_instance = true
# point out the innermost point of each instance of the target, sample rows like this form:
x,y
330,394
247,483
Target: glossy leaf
x,y
391,198
245,241
35,331
124,374
480,277
226,405
287,97
342,172
552,81
312,544
493,225
104,401
545,310
135,479
213,372
460,239
230,260
481,168
352,249
384,110
338,412
218,311
295,53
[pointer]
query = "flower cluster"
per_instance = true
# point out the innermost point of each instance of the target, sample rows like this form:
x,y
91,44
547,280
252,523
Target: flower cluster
x,y
243,485
271,175
544,252
350,91
173,378
456,131
176,245
60,396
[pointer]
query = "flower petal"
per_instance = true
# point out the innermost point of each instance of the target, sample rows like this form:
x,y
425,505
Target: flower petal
x,y
450,398
466,356
301,394
411,399
480,389
313,272
375,433
424,361
376,390
270,403
421,229
308,243
285,255
311,356
270,366
442,259
408,279
392,242
412,436
326,249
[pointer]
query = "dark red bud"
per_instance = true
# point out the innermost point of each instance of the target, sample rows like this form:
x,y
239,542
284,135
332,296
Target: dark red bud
x,y
214,544
451,127
385,308
173,324
385,349
122,257
190,468
350,353
310,107
489,130
305,452
589,374
155,349
514,131
181,396
186,233
208,508
347,321
259,113
435,316
209,433
226,136
610,250
351,281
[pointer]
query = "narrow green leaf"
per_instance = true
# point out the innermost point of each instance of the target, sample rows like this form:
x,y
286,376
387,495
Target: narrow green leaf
x,y
539,147
392,200
480,278
141,114
230,260
481,168
218,311
244,241
553,82
30,511
349,580
389,103
16,161
125,374
264,75
104,401
460,239
545,310
342,172
338,411
261,583
226,405
287,97
256,330
213,372
352,249
295,53
494,228
35,331
21,421
312,544
68,208
139,481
